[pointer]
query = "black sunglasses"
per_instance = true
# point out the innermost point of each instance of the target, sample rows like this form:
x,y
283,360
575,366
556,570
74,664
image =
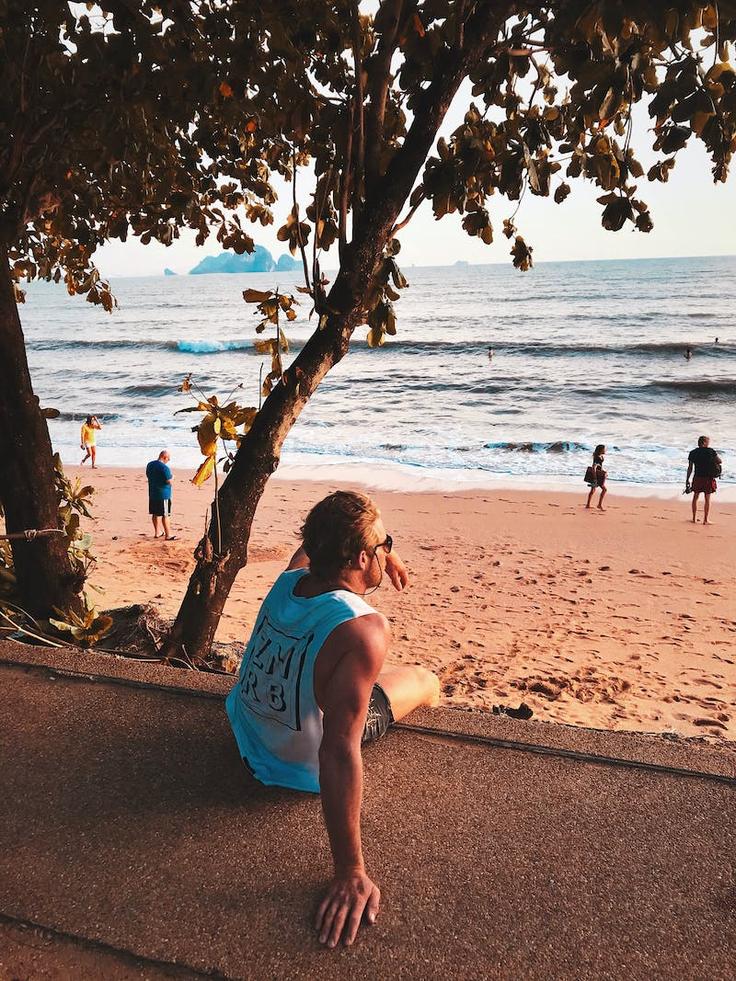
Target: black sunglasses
x,y
388,544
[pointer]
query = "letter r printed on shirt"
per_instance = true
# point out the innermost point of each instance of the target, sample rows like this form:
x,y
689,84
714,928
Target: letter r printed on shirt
x,y
271,677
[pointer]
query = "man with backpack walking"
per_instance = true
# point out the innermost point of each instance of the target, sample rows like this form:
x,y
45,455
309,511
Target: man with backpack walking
x,y
707,465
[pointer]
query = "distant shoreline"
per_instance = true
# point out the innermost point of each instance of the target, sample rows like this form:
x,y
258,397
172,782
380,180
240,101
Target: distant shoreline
x,y
402,478
467,264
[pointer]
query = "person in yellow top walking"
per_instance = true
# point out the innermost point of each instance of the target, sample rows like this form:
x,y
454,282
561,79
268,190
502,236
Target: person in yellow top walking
x,y
88,439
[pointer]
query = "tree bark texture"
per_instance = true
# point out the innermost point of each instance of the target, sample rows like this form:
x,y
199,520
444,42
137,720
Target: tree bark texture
x,y
258,455
44,573
257,458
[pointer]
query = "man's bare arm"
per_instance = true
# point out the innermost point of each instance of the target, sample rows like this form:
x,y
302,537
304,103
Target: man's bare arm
x,y
351,892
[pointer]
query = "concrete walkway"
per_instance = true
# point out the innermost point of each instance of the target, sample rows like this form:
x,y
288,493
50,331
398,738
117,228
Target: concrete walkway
x,y
132,843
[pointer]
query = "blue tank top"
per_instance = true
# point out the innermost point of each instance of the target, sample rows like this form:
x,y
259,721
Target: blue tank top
x,y
272,709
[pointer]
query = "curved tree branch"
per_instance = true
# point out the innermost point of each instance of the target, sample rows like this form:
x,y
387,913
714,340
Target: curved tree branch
x,y
344,183
379,81
359,159
405,221
387,194
298,224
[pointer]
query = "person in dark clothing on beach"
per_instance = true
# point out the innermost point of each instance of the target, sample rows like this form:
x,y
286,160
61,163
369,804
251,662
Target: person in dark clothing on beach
x,y
707,465
159,495
595,476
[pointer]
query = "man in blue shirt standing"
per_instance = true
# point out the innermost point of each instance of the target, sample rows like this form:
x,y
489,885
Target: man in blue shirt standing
x,y
159,495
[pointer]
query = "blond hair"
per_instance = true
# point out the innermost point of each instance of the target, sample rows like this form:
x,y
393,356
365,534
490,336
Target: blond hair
x,y
337,530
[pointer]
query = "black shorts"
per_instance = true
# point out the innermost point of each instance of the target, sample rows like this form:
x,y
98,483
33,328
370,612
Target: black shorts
x,y
379,717
157,507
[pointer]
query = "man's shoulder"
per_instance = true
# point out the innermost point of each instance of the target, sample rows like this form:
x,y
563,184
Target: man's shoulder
x,y
364,632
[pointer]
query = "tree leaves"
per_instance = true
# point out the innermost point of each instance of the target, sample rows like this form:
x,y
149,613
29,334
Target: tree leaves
x,y
144,141
220,423
294,232
616,213
381,321
204,471
270,303
256,296
207,435
85,631
479,223
522,254
157,130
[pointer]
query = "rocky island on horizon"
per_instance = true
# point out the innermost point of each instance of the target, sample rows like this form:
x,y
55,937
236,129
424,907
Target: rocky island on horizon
x,y
260,260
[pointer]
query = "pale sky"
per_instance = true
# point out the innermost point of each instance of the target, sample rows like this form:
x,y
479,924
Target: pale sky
x,y
692,216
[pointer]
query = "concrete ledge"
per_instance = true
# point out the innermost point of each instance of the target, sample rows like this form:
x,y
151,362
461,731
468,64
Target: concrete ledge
x,y
705,755
112,666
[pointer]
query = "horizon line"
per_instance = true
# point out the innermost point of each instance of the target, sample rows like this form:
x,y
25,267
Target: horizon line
x,y
445,265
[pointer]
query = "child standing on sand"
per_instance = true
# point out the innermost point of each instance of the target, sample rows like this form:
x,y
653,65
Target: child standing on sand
x,y
89,439
595,476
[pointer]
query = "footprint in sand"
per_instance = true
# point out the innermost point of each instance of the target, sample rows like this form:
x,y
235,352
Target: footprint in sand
x,y
715,723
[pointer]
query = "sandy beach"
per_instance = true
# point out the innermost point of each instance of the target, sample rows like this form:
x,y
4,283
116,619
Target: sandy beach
x,y
617,620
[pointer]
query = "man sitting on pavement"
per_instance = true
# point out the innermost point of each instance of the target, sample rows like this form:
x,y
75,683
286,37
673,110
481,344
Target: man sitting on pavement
x,y
311,688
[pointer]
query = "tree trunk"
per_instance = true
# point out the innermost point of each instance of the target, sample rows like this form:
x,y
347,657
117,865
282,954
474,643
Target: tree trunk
x,y
257,458
44,573
258,455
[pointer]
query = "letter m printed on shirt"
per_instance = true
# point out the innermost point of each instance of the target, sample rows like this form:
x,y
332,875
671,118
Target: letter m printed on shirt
x,y
271,677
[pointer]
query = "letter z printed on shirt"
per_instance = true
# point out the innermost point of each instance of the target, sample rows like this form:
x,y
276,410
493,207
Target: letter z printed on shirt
x,y
271,679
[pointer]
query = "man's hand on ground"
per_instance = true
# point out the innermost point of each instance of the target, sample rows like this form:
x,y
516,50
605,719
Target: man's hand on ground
x,y
396,571
347,898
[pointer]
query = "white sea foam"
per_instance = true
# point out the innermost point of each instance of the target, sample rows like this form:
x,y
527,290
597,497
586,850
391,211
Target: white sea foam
x,y
584,353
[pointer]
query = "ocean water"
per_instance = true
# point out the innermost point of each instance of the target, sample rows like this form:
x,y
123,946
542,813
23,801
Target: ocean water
x,y
584,353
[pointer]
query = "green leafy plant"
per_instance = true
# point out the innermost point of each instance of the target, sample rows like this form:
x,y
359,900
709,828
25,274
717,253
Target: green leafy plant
x,y
221,426
228,423
270,305
85,630
74,499
8,581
